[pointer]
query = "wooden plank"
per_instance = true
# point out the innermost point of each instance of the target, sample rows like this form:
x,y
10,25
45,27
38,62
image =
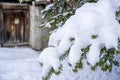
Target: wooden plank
x,y
16,44
10,10
0,6
15,6
1,26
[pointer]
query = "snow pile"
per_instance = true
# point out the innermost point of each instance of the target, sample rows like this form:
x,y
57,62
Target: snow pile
x,y
94,25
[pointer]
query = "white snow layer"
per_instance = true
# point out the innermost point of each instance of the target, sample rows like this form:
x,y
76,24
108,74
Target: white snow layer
x,y
19,64
22,64
90,19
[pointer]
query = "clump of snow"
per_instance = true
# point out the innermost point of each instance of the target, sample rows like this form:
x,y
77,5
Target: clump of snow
x,y
91,19
93,54
48,7
49,61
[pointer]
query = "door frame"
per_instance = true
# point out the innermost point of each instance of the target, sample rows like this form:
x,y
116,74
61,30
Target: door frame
x,y
15,8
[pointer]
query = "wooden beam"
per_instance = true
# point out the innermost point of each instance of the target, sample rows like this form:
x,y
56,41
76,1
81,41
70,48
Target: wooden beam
x,y
15,6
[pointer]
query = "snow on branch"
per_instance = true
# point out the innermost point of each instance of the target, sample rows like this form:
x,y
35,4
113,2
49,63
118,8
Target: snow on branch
x,y
92,34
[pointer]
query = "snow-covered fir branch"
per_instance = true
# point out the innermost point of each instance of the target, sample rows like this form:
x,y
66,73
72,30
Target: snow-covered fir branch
x,y
89,36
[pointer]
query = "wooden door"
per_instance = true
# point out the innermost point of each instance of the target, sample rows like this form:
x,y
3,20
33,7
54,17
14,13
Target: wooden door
x,y
16,26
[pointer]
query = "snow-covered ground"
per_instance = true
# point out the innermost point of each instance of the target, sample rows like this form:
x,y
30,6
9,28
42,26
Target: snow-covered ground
x,y
21,64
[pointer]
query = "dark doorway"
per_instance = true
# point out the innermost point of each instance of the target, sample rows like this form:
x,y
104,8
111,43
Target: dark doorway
x,y
15,26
